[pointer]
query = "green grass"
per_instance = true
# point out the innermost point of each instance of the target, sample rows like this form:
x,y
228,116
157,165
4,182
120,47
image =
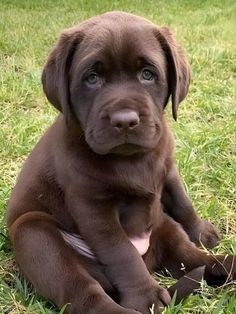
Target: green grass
x,y
205,131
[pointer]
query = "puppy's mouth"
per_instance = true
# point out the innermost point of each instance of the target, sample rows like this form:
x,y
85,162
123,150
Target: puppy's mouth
x,y
139,141
127,149
122,149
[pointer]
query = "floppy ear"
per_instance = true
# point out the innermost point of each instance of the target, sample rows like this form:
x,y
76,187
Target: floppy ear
x,y
55,76
179,73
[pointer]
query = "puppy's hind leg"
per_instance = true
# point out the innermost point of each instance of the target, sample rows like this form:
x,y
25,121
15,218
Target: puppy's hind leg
x,y
55,269
179,255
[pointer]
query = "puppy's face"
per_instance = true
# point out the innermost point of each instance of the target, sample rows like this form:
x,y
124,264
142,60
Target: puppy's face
x,y
119,87
114,74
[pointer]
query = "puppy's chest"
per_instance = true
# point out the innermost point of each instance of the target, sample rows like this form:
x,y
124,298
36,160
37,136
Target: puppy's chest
x,y
136,213
137,197
141,179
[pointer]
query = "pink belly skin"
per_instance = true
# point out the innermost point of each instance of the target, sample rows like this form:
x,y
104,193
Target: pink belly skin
x,y
142,242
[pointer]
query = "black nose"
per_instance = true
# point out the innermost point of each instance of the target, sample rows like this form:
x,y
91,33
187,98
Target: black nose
x,y
125,120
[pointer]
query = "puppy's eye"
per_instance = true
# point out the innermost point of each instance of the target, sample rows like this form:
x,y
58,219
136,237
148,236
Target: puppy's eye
x,y
147,75
92,79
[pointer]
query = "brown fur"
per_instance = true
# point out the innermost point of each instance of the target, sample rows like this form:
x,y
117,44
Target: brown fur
x,y
105,170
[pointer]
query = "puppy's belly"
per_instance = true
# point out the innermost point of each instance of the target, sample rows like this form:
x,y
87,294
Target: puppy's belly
x,y
141,243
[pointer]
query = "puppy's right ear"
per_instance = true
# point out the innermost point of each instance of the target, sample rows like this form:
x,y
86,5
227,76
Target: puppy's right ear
x,y
55,76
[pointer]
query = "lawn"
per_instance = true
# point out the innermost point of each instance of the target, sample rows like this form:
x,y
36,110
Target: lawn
x,y
205,132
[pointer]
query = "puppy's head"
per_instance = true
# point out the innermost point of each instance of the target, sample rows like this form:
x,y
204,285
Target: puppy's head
x,y
114,75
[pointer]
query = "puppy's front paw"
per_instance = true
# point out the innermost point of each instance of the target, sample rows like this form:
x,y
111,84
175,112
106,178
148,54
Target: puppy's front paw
x,y
142,299
203,232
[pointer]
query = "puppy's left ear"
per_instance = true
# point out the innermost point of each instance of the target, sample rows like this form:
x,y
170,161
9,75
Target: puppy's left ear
x,y
179,72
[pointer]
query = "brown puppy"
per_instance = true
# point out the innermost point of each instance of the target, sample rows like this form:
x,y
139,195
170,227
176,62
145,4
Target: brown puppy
x,y
86,216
